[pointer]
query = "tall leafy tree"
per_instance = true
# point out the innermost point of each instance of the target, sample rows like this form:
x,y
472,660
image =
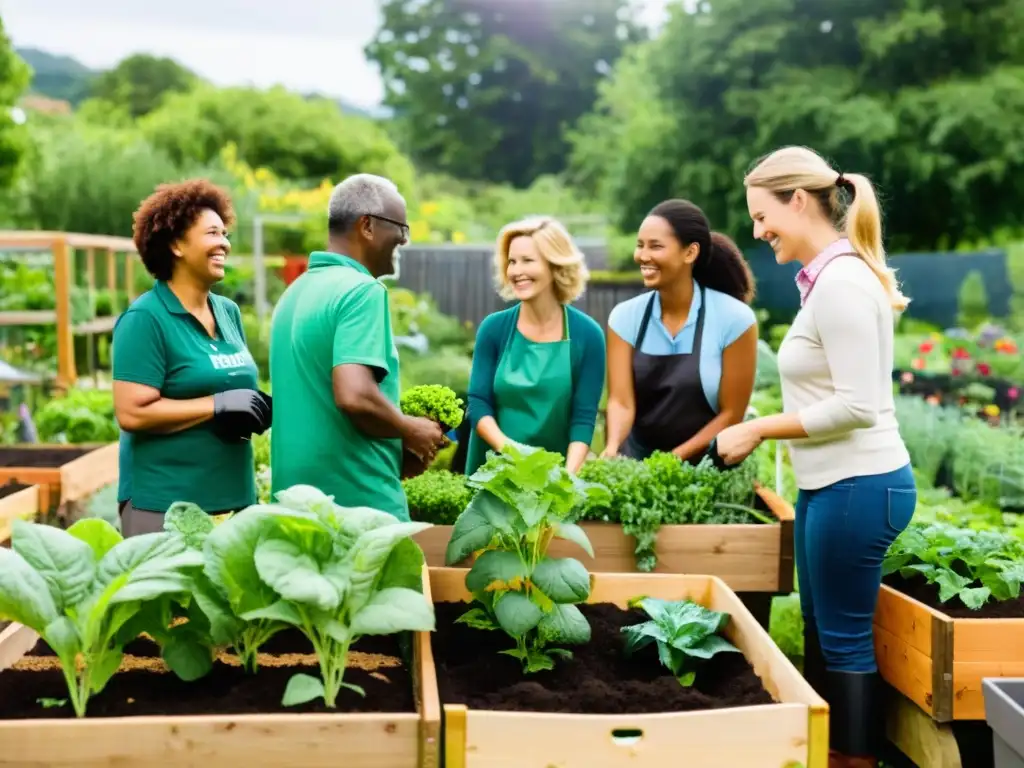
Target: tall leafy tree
x,y
484,89
140,82
925,96
14,78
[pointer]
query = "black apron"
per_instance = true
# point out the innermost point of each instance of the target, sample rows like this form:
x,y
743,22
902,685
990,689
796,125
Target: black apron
x,y
671,406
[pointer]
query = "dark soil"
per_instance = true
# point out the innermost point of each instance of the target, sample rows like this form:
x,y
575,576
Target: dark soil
x,y
11,488
599,679
928,594
40,457
225,690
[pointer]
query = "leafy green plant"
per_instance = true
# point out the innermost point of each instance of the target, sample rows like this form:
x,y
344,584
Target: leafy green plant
x,y
686,634
435,402
662,490
524,498
83,591
974,566
336,573
81,416
437,496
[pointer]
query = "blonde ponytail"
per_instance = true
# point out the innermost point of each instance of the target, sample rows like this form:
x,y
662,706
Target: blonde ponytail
x,y
791,168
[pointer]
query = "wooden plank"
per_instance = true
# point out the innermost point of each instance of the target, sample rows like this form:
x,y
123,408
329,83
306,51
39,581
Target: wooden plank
x,y
23,504
905,668
28,317
905,618
746,557
793,730
988,640
428,700
44,240
968,698
87,474
66,374
919,737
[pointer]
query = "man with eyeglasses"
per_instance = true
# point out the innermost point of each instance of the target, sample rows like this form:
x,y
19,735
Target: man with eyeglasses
x,y
337,424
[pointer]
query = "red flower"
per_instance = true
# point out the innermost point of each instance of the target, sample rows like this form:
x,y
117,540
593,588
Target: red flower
x,y
926,347
918,363
961,354
984,369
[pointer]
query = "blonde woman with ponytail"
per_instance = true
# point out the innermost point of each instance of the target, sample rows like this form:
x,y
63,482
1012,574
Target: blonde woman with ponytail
x,y
856,488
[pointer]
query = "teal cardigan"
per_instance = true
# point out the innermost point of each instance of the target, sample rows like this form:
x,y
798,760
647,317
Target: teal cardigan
x,y
586,351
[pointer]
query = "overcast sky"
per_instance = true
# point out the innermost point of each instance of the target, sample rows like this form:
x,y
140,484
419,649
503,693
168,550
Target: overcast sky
x,y
306,45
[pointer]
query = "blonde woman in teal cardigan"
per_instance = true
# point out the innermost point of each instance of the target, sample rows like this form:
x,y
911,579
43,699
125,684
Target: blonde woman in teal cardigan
x,y
538,366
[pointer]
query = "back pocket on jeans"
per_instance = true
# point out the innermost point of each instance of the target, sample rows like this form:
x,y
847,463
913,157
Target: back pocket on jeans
x,y
901,505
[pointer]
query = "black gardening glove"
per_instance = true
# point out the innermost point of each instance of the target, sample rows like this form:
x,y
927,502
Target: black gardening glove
x,y
269,402
238,413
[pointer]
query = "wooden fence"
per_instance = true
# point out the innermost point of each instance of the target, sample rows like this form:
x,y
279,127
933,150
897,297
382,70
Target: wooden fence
x,y
461,281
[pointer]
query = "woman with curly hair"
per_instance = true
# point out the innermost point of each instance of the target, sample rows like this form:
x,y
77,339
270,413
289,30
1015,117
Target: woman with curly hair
x,y
681,357
185,386
538,366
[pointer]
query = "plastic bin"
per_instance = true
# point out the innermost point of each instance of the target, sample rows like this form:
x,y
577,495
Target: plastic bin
x,y
1004,712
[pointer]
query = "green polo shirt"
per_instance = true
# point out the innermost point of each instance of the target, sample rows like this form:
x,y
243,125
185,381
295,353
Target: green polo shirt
x,y
334,314
159,344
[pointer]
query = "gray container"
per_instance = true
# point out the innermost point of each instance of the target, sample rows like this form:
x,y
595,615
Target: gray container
x,y
1004,712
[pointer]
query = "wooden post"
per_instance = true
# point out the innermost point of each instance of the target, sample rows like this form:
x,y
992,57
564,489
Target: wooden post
x,y
90,286
66,374
112,279
129,277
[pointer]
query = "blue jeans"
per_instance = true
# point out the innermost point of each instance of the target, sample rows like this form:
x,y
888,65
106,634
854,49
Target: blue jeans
x,y
841,535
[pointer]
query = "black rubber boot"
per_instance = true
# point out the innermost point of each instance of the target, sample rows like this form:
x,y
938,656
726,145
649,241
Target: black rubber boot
x,y
814,660
856,715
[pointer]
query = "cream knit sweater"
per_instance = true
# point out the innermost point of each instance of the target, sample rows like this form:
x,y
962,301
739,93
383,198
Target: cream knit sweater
x,y
836,367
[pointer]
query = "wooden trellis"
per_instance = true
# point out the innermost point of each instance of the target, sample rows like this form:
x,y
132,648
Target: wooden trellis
x,y
62,246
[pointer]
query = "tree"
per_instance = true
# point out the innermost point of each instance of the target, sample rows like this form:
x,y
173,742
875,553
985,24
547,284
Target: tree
x,y
140,82
484,89
924,96
298,139
14,78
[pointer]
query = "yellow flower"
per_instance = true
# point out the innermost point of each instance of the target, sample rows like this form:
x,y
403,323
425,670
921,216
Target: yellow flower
x,y
991,410
458,237
429,209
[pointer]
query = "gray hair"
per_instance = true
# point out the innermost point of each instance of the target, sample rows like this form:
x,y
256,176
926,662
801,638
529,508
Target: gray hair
x,y
363,194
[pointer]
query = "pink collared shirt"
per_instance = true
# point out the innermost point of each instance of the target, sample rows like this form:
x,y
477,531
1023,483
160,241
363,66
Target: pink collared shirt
x,y
805,277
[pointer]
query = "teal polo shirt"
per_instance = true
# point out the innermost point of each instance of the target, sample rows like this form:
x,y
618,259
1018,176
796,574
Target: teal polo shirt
x,y
159,344
334,314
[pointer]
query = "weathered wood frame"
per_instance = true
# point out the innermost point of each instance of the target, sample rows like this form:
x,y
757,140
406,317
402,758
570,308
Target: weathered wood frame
x,y
748,558
792,731
359,740
72,481
23,504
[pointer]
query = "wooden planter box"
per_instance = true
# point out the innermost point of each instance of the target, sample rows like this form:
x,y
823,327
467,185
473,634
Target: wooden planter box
x,y
938,662
789,733
22,504
69,481
359,740
748,558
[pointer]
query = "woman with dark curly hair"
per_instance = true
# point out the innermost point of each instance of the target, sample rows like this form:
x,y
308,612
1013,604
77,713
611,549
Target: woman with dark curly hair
x,y
185,386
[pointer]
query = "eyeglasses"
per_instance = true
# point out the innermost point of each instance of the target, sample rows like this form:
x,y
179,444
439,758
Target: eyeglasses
x,y
402,226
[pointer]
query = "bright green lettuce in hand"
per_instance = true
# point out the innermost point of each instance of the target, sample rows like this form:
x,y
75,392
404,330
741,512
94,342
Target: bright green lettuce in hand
x,y
336,573
686,634
83,590
435,402
524,498
972,565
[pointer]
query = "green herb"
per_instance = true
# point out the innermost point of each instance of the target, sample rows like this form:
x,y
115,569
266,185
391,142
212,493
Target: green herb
x,y
435,402
525,496
336,573
437,496
974,566
83,590
686,634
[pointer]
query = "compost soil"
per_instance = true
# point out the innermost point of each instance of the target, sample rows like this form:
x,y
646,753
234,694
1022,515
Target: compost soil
x,y
599,679
11,488
143,685
40,457
928,594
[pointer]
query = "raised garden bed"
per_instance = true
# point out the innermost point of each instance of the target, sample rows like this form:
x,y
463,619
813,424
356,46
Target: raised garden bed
x,y
148,716
747,557
600,709
938,660
17,500
64,473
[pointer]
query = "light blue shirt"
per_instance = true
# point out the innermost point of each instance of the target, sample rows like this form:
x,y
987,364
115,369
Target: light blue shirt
x,y
725,320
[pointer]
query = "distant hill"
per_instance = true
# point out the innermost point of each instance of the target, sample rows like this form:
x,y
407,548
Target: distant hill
x,y
67,79
58,77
